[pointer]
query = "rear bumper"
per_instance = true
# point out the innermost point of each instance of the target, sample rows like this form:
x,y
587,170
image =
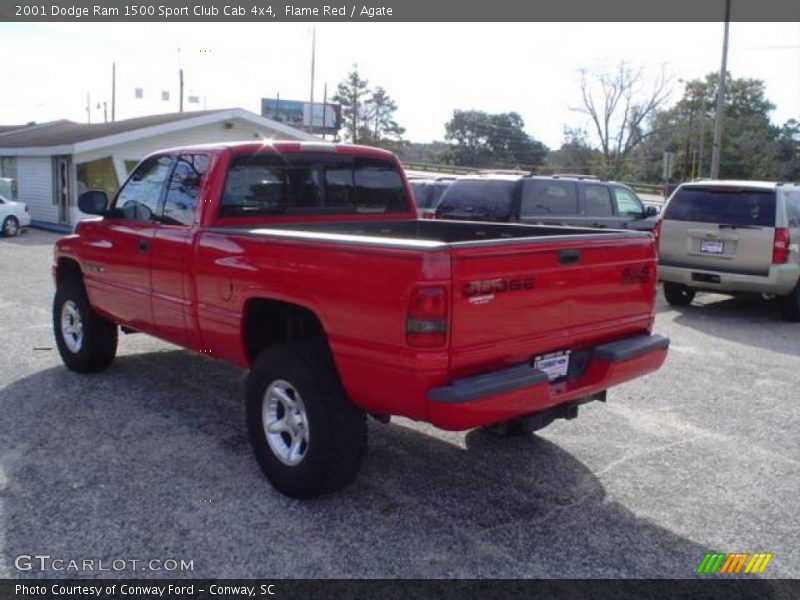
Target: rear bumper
x,y
781,279
520,390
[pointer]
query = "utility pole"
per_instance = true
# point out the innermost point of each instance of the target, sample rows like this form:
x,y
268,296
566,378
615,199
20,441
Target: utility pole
x,y
113,91
715,155
324,108
180,87
88,109
313,58
700,153
686,165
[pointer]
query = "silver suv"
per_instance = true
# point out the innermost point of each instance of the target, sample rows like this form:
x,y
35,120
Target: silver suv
x,y
731,237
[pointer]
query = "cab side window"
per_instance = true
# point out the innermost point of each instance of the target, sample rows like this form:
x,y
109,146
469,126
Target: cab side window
x,y
140,197
596,201
183,189
627,203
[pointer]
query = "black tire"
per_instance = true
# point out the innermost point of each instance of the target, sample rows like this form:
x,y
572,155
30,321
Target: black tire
x,y
337,430
678,294
791,305
98,345
10,226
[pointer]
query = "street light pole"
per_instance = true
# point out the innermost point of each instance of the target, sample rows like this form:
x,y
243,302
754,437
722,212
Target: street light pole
x,y
720,97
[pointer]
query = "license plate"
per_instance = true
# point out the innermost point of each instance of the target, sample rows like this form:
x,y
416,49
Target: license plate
x,y
711,246
555,364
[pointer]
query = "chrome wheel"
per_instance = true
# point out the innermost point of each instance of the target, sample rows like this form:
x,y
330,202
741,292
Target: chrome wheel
x,y
285,422
71,326
10,227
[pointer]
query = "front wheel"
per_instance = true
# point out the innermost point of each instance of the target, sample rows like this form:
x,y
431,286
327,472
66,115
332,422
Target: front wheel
x,y
87,341
308,438
678,294
10,227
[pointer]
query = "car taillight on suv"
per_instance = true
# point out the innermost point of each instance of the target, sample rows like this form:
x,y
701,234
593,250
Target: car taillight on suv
x,y
780,247
426,320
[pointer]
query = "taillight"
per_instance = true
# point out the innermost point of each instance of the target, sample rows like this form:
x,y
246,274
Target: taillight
x,y
657,231
780,247
426,320
430,215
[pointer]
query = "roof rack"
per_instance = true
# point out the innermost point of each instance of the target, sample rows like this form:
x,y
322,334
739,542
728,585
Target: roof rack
x,y
502,172
575,176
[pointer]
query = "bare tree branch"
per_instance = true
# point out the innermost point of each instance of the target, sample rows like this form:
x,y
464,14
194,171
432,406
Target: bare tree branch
x,y
619,109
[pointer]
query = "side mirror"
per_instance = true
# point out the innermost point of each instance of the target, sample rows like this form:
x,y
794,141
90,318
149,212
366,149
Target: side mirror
x,y
93,203
651,211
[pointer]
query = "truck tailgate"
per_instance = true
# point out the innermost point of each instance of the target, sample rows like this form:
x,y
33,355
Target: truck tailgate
x,y
515,302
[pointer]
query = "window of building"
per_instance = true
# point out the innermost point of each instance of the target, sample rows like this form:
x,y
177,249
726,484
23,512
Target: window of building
x,y
98,175
8,170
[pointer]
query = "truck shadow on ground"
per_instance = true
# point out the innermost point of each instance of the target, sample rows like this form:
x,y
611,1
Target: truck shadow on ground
x,y
749,320
149,460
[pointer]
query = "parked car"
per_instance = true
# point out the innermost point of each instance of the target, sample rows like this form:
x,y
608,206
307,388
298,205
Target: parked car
x,y
732,237
305,263
668,188
426,194
13,217
556,200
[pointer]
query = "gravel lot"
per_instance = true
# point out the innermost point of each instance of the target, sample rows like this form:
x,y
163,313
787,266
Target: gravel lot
x,y
150,460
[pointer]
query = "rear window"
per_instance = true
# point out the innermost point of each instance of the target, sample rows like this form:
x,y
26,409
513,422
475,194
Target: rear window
x,y
270,184
543,197
729,207
478,199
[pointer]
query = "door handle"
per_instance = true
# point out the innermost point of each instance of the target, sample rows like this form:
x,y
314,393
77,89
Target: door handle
x,y
144,245
569,257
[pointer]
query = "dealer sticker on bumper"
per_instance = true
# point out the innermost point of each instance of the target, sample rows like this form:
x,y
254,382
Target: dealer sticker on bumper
x,y
555,364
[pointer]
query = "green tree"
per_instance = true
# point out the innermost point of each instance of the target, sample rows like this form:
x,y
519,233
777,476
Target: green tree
x,y
752,147
352,94
485,140
788,152
575,155
380,109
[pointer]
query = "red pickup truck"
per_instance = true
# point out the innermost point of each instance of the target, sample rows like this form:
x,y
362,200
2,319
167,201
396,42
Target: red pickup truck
x,y
305,263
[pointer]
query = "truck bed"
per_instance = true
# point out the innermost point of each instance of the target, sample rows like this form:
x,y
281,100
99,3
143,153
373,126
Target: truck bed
x,y
429,234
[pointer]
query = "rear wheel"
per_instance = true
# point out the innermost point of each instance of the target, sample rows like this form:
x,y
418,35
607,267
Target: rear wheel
x,y
791,306
10,226
87,341
307,436
678,294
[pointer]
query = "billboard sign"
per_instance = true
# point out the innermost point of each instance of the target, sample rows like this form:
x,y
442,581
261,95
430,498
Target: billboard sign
x,y
317,117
